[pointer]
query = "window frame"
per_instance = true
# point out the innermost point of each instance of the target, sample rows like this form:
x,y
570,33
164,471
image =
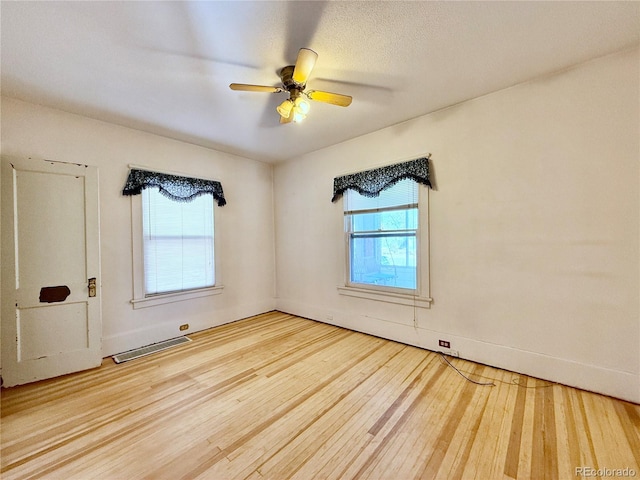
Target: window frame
x,y
420,297
350,235
140,299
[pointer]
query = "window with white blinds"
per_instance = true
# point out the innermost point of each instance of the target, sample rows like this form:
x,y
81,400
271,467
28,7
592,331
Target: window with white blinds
x,y
178,243
381,236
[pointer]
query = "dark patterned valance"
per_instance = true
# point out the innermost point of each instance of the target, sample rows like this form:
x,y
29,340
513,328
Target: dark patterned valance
x,y
181,189
371,182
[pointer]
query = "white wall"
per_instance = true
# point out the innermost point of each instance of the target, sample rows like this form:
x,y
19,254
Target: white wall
x,y
534,226
534,229
244,227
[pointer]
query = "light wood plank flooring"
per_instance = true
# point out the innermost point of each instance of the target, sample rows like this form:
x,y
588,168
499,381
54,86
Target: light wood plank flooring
x,y
281,397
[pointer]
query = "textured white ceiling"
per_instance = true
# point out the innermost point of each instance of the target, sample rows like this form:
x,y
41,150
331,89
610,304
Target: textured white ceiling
x,y
165,67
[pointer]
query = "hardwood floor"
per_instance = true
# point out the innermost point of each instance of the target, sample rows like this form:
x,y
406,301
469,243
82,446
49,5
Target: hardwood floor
x,y
281,397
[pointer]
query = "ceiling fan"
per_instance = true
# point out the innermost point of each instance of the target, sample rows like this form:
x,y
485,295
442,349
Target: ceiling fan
x,y
294,81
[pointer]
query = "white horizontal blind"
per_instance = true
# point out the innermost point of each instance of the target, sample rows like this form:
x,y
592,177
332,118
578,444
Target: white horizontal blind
x,y
403,194
178,243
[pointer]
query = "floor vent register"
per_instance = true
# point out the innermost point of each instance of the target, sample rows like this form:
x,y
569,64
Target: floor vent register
x,y
149,349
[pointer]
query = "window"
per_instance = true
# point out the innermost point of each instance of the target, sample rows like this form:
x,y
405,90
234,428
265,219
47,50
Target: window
x,y
173,236
178,243
386,227
382,238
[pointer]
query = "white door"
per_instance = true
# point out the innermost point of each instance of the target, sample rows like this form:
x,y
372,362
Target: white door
x,y
51,322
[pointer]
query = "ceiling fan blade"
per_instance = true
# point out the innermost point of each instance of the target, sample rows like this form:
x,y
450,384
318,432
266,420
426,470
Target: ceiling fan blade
x,y
328,97
304,64
255,88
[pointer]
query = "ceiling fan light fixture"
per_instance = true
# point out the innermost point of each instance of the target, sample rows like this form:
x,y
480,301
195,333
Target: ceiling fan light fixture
x,y
284,109
298,116
302,105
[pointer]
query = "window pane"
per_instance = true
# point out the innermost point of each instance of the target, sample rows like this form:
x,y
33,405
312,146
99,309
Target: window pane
x,y
382,236
384,259
178,243
406,219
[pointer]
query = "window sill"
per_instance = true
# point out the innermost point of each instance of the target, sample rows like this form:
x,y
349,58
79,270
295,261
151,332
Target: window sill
x,y
175,297
408,299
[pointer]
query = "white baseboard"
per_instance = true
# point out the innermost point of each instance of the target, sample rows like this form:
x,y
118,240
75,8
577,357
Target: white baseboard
x,y
615,383
167,329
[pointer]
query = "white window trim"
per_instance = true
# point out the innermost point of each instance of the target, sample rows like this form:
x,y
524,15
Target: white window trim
x,y
140,300
165,298
420,297
409,299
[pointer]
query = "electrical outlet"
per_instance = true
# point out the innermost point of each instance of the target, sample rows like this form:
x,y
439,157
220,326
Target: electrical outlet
x,y
184,327
444,343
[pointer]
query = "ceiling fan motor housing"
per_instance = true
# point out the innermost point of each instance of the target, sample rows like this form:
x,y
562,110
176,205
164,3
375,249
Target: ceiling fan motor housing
x,y
286,74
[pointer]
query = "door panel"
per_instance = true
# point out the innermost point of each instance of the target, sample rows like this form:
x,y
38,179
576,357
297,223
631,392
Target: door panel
x,y
44,202
34,327
50,324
